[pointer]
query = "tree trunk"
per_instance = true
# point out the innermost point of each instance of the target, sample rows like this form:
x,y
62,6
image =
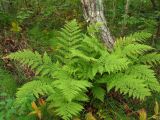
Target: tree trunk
x,y
93,13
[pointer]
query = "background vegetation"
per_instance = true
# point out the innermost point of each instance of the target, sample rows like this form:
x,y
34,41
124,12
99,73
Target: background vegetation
x,y
54,66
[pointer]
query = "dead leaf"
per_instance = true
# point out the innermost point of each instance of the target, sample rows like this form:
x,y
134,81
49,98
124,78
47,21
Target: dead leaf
x,y
89,116
142,114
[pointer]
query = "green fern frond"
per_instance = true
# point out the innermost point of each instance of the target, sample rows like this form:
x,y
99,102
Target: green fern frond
x,y
26,57
78,53
40,64
135,38
93,44
135,49
135,88
112,63
71,88
144,72
30,92
151,59
127,84
140,36
64,108
70,38
67,110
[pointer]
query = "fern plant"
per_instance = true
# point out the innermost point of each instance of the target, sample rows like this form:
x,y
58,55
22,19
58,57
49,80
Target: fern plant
x,y
54,81
127,68
84,62
65,93
70,38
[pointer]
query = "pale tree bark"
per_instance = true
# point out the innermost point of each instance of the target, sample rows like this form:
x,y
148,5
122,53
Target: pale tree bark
x,y
93,13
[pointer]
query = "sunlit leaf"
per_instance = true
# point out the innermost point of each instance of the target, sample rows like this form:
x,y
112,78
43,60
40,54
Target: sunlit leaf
x,y
15,27
142,114
89,116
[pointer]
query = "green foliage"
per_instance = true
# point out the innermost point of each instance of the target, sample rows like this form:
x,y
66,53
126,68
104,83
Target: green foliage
x,y
7,109
150,58
30,91
98,93
58,83
8,84
41,36
42,64
116,67
70,38
78,57
82,60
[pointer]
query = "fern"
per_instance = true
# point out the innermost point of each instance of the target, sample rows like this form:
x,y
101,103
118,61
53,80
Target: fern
x,y
56,80
126,84
135,49
59,81
66,110
30,92
151,58
41,64
71,88
70,37
126,52
100,61
135,38
144,72
84,62
139,37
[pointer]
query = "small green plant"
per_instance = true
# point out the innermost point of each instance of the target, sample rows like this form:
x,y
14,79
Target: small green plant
x,y
83,63
6,107
8,84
